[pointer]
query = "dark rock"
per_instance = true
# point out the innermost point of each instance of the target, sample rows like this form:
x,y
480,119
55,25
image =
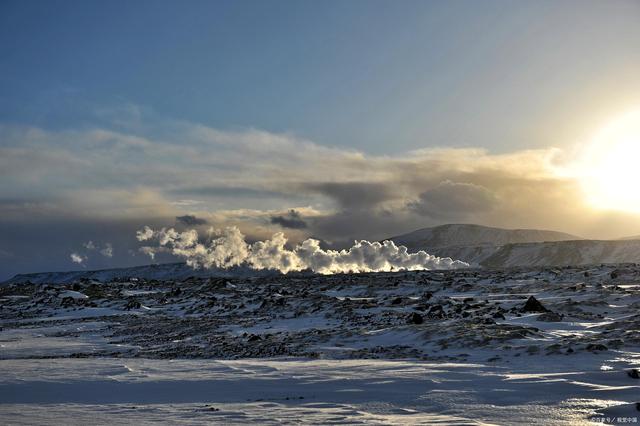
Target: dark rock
x,y
533,305
132,304
436,311
415,318
396,301
498,315
614,274
634,373
253,338
67,302
596,347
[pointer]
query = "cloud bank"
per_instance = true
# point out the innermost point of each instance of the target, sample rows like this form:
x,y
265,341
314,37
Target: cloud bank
x,y
228,248
192,174
103,183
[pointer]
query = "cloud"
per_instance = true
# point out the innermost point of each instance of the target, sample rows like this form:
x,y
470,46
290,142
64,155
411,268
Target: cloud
x,y
356,195
107,176
77,258
149,251
454,200
292,220
89,245
107,251
229,249
186,203
190,220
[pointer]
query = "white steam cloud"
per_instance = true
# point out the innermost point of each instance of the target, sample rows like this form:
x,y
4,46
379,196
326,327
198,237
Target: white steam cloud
x,y
107,251
229,249
77,258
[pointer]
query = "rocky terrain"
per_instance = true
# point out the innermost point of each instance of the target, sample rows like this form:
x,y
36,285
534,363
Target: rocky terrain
x,y
471,346
429,315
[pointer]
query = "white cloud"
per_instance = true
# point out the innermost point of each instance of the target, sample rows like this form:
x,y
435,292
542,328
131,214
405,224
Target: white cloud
x,y
77,258
192,169
107,251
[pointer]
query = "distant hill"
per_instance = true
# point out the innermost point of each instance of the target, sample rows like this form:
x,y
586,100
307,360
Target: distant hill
x,y
166,271
498,248
633,237
562,253
475,235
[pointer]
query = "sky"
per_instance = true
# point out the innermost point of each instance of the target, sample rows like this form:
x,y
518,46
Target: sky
x,y
335,120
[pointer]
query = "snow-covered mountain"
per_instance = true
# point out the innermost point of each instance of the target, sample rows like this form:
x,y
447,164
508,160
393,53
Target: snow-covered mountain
x,y
475,235
499,248
563,253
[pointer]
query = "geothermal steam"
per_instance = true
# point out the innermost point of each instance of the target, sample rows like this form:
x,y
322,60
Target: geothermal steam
x,y
228,248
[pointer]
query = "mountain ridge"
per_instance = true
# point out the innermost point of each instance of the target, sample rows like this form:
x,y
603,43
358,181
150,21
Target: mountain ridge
x,y
472,235
491,247
161,271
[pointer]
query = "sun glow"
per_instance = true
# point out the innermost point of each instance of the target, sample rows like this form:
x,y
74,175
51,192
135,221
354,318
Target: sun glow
x,y
610,167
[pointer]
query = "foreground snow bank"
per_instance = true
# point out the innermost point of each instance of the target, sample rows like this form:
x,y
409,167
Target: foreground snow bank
x,y
275,391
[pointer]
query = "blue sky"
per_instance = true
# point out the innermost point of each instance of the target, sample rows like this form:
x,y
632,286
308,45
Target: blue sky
x,y
379,76
364,118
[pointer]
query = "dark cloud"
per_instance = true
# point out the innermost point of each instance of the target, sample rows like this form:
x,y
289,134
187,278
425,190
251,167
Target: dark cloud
x,y
355,195
453,200
190,220
347,225
292,220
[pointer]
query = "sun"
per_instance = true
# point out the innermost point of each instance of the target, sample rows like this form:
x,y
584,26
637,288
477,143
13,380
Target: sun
x,y
610,172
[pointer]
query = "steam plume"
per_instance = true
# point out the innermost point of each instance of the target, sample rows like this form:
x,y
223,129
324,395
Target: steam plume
x,y
228,248
77,258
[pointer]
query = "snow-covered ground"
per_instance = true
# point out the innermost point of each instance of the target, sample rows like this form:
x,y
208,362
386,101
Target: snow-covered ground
x,y
448,347
264,391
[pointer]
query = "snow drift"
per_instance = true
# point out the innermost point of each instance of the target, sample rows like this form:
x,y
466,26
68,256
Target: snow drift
x,y
227,248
